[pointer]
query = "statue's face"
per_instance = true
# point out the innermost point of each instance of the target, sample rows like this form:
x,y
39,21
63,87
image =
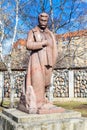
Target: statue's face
x,y
43,22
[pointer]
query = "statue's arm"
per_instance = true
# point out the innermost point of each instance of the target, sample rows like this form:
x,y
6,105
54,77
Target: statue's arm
x,y
34,45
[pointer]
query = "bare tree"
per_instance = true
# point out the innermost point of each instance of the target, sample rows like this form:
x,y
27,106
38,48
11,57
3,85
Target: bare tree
x,y
52,17
8,64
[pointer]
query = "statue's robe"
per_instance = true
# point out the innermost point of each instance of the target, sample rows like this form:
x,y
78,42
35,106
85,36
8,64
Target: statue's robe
x,y
41,62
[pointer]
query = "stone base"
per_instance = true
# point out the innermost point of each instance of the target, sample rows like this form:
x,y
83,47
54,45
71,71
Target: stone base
x,y
50,111
44,109
22,117
13,119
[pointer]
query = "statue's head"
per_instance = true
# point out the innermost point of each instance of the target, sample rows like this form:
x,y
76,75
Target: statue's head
x,y
43,20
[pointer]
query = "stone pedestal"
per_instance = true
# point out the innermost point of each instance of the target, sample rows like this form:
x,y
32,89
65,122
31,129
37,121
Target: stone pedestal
x,y
12,119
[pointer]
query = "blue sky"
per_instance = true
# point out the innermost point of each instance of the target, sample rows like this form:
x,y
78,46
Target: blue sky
x,y
79,8
28,15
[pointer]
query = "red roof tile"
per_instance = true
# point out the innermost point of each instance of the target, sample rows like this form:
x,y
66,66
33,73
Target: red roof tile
x,y
72,34
21,42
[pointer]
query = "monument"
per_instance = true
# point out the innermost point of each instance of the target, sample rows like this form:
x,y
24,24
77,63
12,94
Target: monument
x,y
43,53
43,115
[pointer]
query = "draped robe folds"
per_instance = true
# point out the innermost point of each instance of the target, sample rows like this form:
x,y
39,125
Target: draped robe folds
x,y
38,75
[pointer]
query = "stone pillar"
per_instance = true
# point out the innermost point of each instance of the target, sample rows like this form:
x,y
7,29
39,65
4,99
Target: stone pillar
x,y
1,85
12,90
71,84
51,89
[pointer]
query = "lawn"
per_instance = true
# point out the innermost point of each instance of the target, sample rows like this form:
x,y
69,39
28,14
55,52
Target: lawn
x,y
74,105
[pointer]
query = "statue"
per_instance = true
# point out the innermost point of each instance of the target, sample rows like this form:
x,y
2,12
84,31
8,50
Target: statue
x,y
41,42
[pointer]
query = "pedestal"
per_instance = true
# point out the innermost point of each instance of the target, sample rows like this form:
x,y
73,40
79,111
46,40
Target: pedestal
x,y
13,119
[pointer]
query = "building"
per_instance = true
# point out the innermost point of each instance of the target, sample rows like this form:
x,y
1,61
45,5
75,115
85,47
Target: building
x,y
70,78
72,49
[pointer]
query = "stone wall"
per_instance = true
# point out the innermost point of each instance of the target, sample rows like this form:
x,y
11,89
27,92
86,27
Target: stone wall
x,y
66,83
61,83
80,83
1,85
19,83
64,86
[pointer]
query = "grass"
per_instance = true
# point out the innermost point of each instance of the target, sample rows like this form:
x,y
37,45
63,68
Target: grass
x,y
1,108
74,105
6,104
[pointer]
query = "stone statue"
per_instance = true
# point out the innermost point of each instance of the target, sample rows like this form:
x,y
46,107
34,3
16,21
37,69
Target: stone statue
x,y
41,42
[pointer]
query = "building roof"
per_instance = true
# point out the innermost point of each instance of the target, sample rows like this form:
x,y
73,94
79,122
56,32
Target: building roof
x,y
21,42
72,34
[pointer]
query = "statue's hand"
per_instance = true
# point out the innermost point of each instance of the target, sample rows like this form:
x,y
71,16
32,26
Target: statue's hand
x,y
44,43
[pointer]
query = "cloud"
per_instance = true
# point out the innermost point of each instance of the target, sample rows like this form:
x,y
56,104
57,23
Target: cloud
x,y
84,1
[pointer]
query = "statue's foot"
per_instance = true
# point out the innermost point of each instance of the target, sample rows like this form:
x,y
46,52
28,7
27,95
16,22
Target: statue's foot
x,y
43,102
